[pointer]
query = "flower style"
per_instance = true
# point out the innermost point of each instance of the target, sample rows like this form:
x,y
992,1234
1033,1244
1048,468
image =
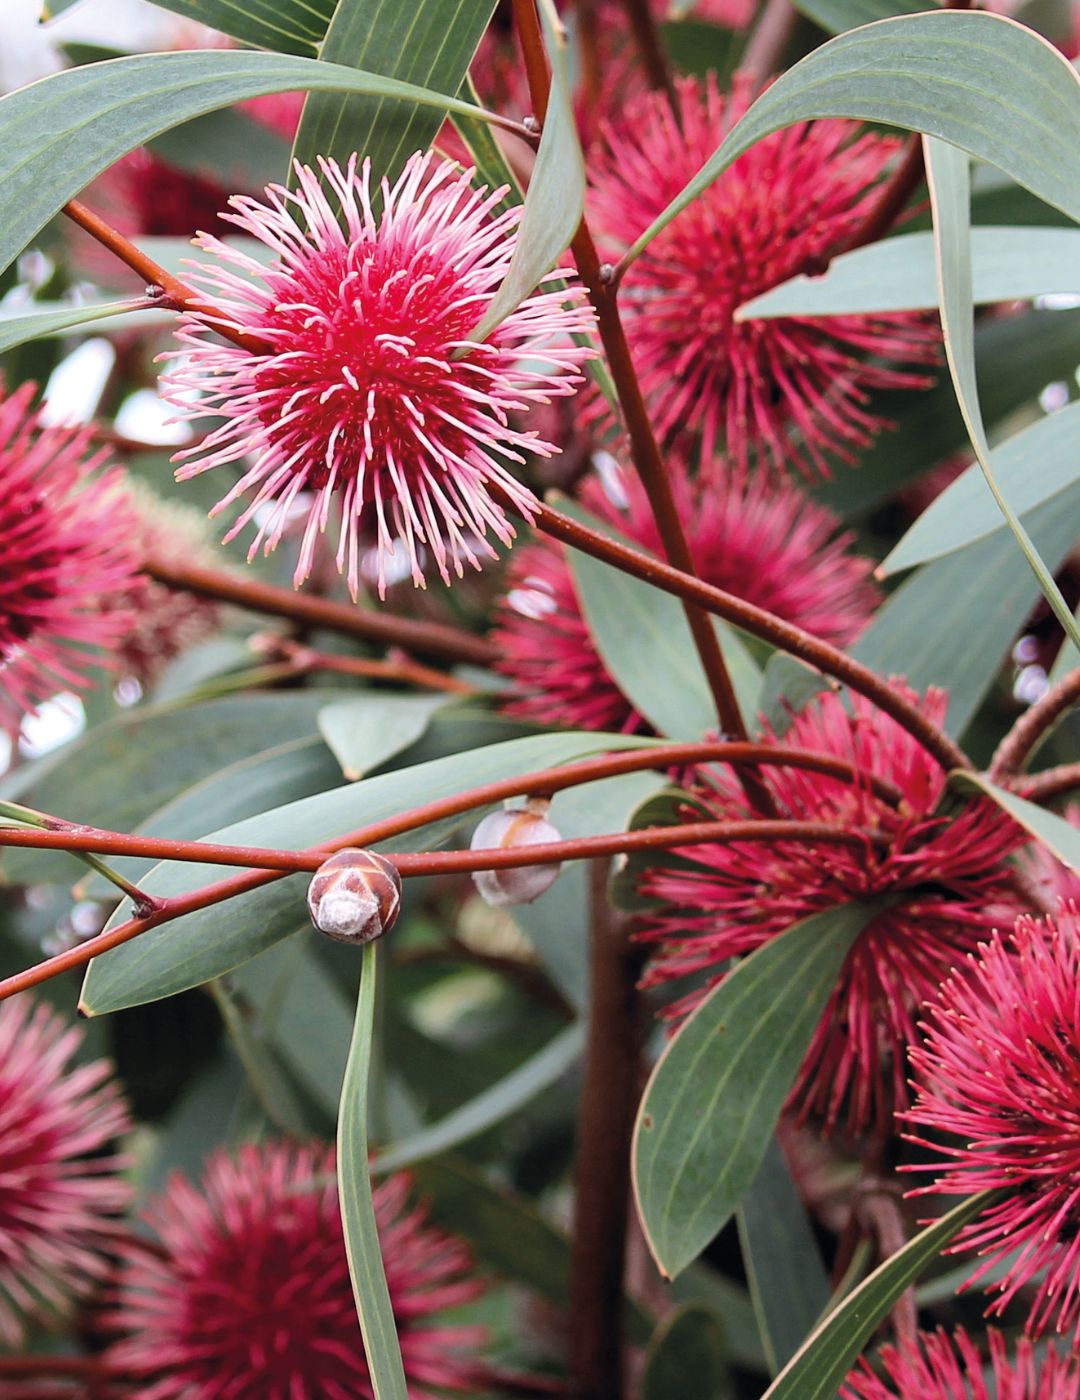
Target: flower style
x,y
60,1191
999,1069
940,1367
789,392
244,1291
942,880
371,387
66,541
763,541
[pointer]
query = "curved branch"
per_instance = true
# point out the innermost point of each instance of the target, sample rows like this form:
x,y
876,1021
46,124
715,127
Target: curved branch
x,y
1033,724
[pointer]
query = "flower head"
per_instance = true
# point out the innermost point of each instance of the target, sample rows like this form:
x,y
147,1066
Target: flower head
x,y
999,1070
763,541
66,541
370,389
943,881
59,1195
940,1367
783,207
245,1290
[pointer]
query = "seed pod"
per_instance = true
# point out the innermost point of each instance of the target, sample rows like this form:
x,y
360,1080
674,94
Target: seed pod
x,y
515,827
355,896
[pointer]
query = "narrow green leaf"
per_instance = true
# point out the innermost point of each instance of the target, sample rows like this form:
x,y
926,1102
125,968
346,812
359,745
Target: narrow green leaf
x,y
58,320
64,130
1053,831
427,42
381,1348
899,274
556,196
364,731
288,26
690,1342
712,1102
781,1258
966,509
979,81
518,1088
818,1368
193,949
948,174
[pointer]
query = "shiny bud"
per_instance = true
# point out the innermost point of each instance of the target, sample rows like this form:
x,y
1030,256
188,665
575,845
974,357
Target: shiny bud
x,y
355,896
513,827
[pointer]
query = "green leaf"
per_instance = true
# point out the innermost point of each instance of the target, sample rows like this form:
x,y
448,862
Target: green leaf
x,y
948,174
521,1086
228,147
64,130
116,775
199,946
818,1368
55,319
781,1258
427,42
899,274
269,1086
288,26
364,731
690,1342
555,199
1055,833
835,16
979,81
966,509
372,1296
702,1284
937,628
712,1102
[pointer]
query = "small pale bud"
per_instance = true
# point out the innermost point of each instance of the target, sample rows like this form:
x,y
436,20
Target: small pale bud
x,y
355,896
515,827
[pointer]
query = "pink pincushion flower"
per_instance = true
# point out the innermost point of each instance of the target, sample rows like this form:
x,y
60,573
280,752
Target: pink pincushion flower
x,y
945,879
60,1191
66,527
940,1367
244,1291
788,391
371,390
999,1070
764,542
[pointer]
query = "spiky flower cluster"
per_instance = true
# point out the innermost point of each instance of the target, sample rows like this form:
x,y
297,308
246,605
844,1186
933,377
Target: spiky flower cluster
x,y
244,1289
365,384
66,541
765,543
999,1074
790,392
939,1367
60,1189
943,882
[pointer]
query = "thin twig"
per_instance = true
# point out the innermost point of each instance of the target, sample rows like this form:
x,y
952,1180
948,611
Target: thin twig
x,y
650,47
1033,725
304,659
766,46
1049,784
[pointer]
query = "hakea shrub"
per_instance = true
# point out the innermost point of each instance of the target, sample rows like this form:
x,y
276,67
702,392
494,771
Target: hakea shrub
x,y
362,384
997,1101
944,882
67,540
937,1366
242,1288
61,1188
787,392
764,542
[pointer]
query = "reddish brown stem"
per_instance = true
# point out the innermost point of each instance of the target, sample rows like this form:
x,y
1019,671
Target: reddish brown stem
x,y
602,1174
891,202
646,34
65,1366
1033,725
764,52
1050,783
304,659
589,40
246,592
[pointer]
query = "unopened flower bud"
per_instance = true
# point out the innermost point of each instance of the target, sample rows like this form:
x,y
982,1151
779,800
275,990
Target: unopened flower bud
x,y
355,896
515,827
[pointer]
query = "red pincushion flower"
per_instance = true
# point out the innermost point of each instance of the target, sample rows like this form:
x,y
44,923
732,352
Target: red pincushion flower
x,y
60,1192
65,542
371,390
245,1290
999,1069
941,1367
764,542
945,878
789,391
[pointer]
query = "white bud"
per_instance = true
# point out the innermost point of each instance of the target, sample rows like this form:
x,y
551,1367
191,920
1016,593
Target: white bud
x,y
515,827
355,896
